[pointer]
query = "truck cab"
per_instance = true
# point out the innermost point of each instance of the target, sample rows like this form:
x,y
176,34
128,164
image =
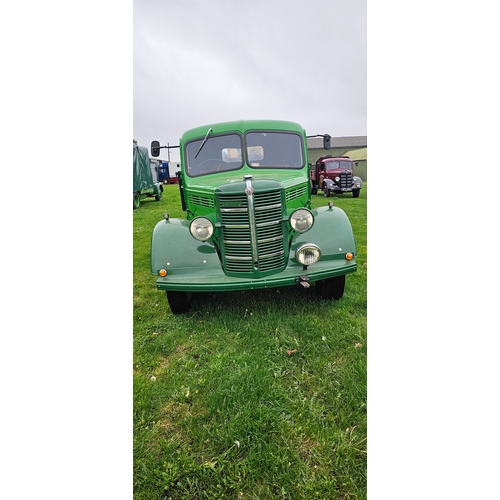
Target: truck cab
x,y
245,188
333,174
163,172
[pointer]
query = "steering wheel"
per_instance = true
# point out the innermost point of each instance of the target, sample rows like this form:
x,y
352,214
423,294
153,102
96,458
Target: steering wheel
x,y
207,168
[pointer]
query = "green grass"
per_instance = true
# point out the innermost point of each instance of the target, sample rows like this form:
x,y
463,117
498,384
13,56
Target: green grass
x,y
223,409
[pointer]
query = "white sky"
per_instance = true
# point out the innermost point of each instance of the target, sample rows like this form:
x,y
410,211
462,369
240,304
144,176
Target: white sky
x,y
197,62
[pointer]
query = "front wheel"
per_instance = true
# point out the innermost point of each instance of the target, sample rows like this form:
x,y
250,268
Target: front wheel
x,y
331,288
159,196
326,192
355,193
179,302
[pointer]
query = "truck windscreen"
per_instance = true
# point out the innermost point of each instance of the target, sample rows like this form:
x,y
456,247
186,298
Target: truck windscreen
x,y
274,150
266,149
219,153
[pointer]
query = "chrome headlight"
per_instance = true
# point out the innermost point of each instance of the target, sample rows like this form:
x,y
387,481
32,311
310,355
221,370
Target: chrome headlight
x,y
337,179
201,229
301,220
308,254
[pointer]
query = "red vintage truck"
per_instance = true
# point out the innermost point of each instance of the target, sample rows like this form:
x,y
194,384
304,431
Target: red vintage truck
x,y
333,174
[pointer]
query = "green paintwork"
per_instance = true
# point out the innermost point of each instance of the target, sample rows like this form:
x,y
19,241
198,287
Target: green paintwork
x,y
242,126
143,183
197,266
203,189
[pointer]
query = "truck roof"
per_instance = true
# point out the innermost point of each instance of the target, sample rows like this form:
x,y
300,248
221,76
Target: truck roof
x,y
332,158
242,126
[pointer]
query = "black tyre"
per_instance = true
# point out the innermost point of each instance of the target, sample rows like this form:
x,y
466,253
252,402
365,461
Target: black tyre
x,y
159,196
326,192
355,193
331,288
137,200
179,302
314,190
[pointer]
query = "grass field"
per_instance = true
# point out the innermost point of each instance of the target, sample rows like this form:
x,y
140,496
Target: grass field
x,y
255,394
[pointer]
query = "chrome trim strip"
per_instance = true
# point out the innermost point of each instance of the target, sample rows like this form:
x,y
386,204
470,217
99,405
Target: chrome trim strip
x,y
251,216
276,205
234,209
272,223
269,255
268,240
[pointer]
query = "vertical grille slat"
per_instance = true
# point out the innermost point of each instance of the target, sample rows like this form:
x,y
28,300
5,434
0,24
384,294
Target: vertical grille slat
x,y
237,234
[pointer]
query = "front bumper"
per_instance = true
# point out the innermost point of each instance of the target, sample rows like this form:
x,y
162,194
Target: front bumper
x,y
195,266
199,280
336,189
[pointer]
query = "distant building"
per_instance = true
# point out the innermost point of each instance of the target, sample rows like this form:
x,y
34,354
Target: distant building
x,y
353,147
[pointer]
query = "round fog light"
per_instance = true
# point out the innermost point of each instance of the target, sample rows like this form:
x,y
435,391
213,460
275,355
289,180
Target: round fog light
x,y
349,256
162,272
308,254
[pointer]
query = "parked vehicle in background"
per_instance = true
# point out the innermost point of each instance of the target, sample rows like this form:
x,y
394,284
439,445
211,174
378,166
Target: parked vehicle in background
x,y
145,182
164,174
333,174
249,224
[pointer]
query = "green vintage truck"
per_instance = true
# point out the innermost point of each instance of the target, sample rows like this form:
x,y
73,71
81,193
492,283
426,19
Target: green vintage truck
x,y
245,188
145,182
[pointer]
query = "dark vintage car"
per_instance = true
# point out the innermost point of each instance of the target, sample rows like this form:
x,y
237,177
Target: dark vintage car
x,y
333,174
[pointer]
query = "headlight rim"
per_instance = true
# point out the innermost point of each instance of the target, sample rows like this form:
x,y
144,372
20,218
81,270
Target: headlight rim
x,y
197,219
294,226
298,252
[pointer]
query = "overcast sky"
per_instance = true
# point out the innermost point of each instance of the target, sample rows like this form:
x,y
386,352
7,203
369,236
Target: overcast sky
x,y
197,62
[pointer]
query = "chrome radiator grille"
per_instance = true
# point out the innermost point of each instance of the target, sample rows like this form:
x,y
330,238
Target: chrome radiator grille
x,y
345,179
237,233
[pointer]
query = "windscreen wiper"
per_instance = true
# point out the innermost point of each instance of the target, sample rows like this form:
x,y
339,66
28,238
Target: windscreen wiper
x,y
203,143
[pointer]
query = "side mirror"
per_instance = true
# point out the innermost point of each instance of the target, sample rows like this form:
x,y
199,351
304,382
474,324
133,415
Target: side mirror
x,y
155,148
326,141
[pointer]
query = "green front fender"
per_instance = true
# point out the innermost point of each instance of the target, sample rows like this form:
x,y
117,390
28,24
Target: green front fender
x,y
332,232
157,189
175,250
194,266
